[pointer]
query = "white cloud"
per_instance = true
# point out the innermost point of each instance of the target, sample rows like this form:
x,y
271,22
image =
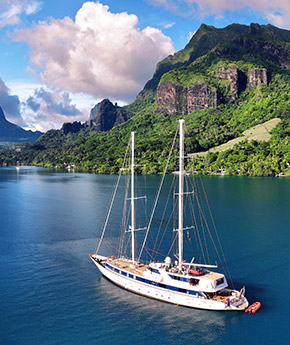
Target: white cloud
x,y
43,109
276,11
168,25
11,10
46,109
99,53
190,35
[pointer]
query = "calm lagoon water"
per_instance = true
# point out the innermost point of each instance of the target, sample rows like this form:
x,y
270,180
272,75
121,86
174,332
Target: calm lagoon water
x,y
51,292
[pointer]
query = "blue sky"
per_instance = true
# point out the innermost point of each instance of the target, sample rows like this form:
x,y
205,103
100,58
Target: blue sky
x,y
60,57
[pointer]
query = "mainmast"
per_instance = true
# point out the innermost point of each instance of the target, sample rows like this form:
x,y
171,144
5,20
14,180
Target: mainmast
x,y
132,200
180,193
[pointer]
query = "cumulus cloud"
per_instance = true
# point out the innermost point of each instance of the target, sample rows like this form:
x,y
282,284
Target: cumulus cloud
x,y
276,11
10,104
47,109
99,53
11,10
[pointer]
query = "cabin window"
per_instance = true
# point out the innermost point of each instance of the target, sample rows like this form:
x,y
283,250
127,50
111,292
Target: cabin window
x,y
162,285
220,281
193,281
182,290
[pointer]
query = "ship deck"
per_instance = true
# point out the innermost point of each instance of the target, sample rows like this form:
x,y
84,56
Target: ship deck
x,y
127,265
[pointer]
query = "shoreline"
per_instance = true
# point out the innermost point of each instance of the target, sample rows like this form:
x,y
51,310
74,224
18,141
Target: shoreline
x,y
74,169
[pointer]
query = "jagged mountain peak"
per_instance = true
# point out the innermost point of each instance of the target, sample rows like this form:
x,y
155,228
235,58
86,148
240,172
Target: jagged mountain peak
x,y
11,133
2,115
105,115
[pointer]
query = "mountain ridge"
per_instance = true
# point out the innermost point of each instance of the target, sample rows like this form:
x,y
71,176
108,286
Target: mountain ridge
x,y
259,54
11,134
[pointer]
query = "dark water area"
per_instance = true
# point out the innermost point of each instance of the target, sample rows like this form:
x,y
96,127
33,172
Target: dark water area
x,y
51,292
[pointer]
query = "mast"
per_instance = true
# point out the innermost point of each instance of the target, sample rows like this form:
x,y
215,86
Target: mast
x,y
180,193
132,200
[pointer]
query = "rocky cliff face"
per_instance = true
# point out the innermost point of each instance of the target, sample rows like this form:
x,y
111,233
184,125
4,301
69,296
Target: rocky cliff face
x,y
230,74
69,127
107,116
257,76
175,99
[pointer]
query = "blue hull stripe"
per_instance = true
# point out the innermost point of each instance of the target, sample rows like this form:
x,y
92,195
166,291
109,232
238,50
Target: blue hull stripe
x,y
150,282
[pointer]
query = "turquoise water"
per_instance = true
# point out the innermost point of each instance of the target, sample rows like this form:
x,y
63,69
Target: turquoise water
x,y
51,293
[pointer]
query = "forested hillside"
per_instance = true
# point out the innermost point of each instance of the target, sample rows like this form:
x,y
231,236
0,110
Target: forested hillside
x,y
224,82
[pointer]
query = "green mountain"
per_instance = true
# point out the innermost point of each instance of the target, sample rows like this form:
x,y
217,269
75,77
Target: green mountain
x,y
222,83
11,134
205,39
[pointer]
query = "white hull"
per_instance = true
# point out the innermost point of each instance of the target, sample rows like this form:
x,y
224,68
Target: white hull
x,y
163,294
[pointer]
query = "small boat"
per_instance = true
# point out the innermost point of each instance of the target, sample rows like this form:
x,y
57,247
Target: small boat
x,y
176,281
253,308
196,271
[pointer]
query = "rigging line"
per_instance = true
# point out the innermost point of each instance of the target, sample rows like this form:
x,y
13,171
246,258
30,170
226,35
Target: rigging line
x,y
199,225
145,192
142,203
108,244
126,239
189,206
112,201
154,251
172,243
202,220
149,254
166,227
213,242
163,216
123,220
196,232
125,217
158,193
109,248
203,226
127,245
158,242
216,233
203,216
124,235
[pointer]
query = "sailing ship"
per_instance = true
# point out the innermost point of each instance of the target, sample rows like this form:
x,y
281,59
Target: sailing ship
x,y
179,282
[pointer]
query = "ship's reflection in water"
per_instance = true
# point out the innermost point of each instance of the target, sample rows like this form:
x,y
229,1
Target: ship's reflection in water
x,y
175,321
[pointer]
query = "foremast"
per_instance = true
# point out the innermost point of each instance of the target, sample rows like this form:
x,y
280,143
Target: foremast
x,y
180,193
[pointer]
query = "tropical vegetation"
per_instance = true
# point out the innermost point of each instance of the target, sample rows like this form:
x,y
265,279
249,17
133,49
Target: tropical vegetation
x,y
102,152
